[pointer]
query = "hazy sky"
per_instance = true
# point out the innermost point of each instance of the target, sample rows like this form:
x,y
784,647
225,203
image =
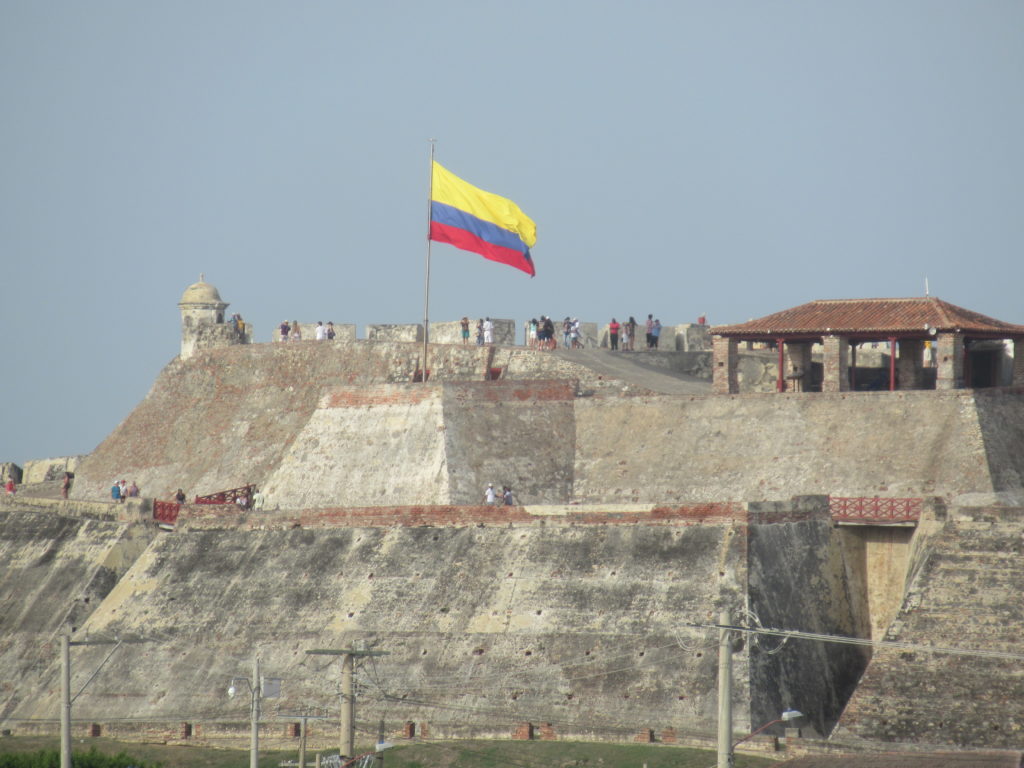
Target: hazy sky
x,y
728,158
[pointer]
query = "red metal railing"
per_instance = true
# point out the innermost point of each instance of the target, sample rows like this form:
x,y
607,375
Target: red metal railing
x,y
166,511
874,510
228,497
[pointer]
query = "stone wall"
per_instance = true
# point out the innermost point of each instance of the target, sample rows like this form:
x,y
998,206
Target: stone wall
x,y
264,414
57,570
965,594
489,616
48,470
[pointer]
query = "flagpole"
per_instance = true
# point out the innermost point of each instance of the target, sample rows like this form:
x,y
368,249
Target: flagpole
x,y
426,282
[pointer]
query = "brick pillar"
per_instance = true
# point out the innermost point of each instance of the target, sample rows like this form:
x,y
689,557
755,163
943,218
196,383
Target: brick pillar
x,y
836,354
668,736
950,361
547,732
724,356
424,731
909,364
409,730
644,736
185,732
798,361
1018,362
523,732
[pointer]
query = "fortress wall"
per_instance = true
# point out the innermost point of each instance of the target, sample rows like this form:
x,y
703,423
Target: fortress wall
x,y
800,578
227,417
576,624
1002,419
686,449
366,446
583,621
237,415
520,434
56,570
878,559
965,594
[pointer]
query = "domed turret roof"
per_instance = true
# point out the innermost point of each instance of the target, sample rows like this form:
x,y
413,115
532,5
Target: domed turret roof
x,y
201,293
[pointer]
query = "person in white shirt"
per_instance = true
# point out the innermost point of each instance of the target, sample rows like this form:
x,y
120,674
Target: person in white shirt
x,y
490,495
488,331
321,332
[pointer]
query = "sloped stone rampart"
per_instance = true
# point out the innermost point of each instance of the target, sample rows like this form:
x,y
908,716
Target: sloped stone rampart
x,y
263,414
587,623
56,570
228,417
965,594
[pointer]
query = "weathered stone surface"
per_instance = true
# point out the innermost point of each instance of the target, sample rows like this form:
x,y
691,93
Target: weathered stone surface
x,y
384,332
44,470
965,594
502,614
242,414
57,570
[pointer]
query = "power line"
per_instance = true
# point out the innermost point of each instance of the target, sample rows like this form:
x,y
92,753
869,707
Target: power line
x,y
862,641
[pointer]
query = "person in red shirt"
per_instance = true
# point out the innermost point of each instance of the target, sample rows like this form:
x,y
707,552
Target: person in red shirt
x,y
613,334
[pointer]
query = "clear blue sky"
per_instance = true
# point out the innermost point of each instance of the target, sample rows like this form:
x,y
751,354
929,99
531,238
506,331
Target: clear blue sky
x,y
733,158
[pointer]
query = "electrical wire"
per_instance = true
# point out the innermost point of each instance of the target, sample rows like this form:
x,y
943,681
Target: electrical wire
x,y
861,641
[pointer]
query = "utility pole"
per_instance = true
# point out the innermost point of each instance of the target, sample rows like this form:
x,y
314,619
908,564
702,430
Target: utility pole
x,y
65,686
725,648
255,686
65,700
347,724
254,735
379,759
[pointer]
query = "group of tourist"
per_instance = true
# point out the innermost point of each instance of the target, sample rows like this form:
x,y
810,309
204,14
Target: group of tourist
x,y
293,331
540,334
622,336
484,331
120,491
491,496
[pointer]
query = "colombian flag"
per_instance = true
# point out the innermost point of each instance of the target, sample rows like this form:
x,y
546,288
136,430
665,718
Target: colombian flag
x,y
474,220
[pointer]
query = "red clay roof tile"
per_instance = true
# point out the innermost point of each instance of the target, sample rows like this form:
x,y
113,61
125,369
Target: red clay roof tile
x,y
881,316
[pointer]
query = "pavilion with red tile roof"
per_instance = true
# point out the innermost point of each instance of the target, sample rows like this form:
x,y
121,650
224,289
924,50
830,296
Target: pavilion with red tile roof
x,y
906,324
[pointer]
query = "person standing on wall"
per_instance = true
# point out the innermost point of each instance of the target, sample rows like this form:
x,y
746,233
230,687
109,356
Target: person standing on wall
x,y
650,331
488,331
655,333
490,495
631,326
285,330
464,322
613,334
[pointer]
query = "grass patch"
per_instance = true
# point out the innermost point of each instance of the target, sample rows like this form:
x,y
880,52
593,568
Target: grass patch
x,y
440,754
